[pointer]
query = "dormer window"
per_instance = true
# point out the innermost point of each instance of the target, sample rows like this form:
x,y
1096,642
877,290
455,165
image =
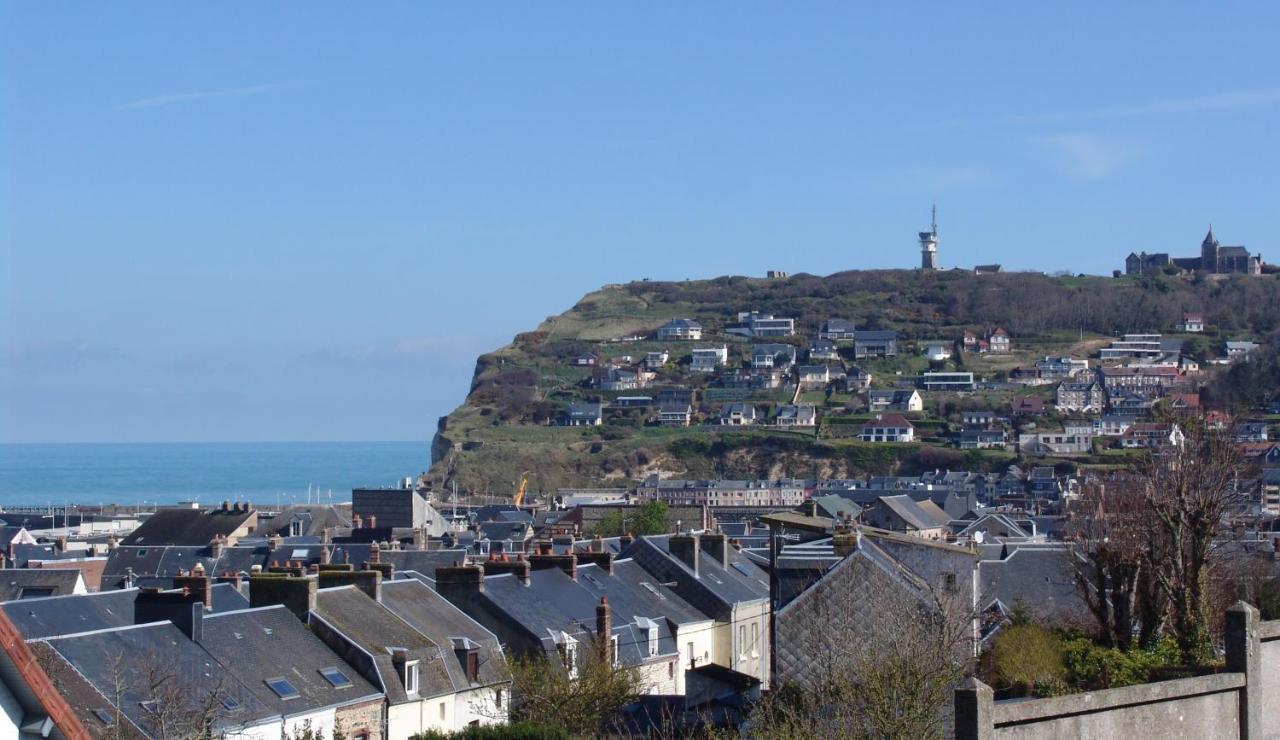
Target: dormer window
x,y
649,632
568,649
411,677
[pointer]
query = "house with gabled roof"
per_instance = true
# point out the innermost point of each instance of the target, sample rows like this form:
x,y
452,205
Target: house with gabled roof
x,y
582,415
836,330
437,683
797,415
720,582
875,344
888,428
679,330
902,513
894,400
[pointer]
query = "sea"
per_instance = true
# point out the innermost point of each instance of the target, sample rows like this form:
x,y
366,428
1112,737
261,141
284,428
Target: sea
x,y
264,473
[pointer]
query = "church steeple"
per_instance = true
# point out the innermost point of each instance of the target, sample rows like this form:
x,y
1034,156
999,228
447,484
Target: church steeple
x,y
1209,252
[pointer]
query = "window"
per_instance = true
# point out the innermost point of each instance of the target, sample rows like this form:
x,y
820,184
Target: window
x,y
442,711
230,703
569,655
755,639
671,670
497,699
411,678
299,554
282,687
335,677
103,715
693,659
742,640
613,648
949,581
150,705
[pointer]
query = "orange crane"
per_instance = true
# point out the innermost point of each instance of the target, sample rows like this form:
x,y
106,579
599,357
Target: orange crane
x,y
524,484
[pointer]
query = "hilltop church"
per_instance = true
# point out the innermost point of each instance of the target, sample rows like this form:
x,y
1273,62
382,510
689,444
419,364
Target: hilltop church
x,y
1214,259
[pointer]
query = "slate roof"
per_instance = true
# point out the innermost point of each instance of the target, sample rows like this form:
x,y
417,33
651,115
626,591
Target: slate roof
x,y
717,588
364,622
874,336
911,512
15,583
1042,577
82,697
259,644
130,659
312,520
67,615
187,526
432,615
864,594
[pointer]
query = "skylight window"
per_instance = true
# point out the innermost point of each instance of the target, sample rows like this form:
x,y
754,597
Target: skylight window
x,y
282,687
104,716
744,570
150,705
335,677
300,552
230,703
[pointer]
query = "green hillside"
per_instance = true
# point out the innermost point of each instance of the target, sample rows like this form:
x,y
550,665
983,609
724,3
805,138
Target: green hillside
x,y
505,426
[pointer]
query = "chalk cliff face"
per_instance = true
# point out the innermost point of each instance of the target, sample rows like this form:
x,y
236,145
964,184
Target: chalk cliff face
x,y
506,425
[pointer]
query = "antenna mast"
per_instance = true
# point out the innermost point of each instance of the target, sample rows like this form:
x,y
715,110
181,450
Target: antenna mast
x,y
933,219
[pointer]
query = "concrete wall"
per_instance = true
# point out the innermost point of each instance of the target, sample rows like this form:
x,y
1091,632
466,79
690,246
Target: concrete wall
x,y
1236,703
1269,677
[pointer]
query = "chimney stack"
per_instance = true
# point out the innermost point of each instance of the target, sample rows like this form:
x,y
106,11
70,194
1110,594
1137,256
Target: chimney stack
x,y
518,567
375,552
716,544
810,508
215,547
274,542
684,547
183,608
625,541
604,627
197,584
568,563
602,560
459,579
297,593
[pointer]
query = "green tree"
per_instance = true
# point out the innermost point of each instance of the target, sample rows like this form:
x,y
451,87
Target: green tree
x,y
650,518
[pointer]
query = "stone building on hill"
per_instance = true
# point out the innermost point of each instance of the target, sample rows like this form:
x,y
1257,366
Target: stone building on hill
x,y
1214,259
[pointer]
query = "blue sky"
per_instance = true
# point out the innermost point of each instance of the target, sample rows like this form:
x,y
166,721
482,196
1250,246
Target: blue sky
x,y
304,221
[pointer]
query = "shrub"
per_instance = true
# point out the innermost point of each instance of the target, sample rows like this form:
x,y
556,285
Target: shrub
x,y
1028,659
1090,666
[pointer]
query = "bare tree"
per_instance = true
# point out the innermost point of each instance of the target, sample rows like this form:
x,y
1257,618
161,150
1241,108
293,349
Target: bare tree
x,y
1189,489
1115,559
544,692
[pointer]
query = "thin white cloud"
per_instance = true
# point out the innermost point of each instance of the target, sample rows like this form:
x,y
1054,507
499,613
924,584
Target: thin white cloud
x,y
1231,100
1089,156
174,98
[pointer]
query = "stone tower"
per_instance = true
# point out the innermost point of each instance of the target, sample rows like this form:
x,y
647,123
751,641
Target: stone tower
x,y
929,244
1209,252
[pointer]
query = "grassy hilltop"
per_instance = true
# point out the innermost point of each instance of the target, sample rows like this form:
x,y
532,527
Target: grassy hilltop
x,y
504,425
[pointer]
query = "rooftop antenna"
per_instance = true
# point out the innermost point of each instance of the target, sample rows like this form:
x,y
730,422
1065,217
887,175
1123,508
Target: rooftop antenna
x,y
933,219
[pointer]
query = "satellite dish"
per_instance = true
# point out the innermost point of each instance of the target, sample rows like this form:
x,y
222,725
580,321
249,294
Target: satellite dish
x,y
979,537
